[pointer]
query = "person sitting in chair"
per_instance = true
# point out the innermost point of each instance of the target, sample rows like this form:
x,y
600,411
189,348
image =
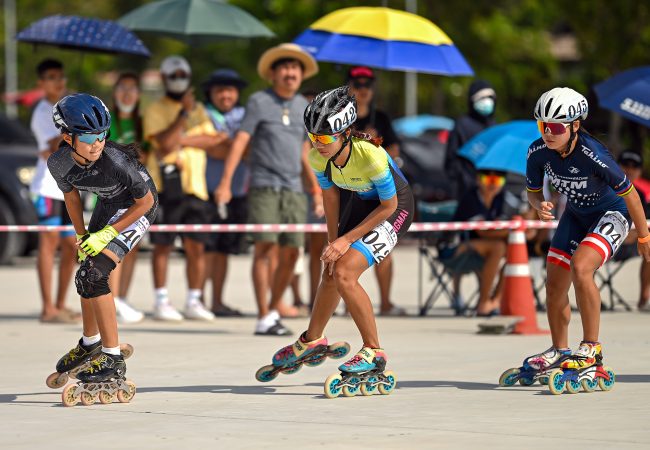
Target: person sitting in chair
x,y
482,250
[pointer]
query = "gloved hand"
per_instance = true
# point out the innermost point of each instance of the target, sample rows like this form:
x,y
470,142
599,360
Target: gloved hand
x,y
97,241
81,256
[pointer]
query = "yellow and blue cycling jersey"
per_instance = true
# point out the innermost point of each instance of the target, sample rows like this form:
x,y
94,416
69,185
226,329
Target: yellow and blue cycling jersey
x,y
369,171
372,176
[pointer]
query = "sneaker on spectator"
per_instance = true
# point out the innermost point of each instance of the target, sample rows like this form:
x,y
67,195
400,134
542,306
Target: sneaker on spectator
x,y
196,311
126,313
166,312
645,307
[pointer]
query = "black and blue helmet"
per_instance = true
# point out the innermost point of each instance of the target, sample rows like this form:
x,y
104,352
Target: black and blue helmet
x,y
81,114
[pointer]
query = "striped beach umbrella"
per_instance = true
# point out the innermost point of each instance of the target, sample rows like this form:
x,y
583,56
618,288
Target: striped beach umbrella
x,y
383,38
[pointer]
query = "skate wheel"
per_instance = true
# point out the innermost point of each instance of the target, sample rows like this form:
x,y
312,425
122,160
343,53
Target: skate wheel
x,y
369,387
543,380
266,374
351,391
126,350
391,379
333,385
315,362
604,383
573,386
69,395
105,397
87,398
509,377
338,350
525,381
126,396
292,370
589,385
556,383
56,380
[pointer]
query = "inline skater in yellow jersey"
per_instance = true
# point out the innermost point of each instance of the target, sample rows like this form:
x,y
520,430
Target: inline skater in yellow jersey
x,y
378,213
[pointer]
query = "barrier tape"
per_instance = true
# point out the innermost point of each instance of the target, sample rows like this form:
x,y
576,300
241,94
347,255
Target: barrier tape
x,y
303,227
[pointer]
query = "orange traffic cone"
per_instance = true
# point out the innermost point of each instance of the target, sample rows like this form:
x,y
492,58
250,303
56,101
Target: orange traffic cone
x,y
518,299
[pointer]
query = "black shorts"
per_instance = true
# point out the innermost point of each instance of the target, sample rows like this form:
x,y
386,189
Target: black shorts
x,y
189,210
380,241
229,243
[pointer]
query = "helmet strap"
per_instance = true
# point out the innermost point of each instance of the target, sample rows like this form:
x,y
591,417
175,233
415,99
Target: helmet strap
x,y
572,136
328,167
74,149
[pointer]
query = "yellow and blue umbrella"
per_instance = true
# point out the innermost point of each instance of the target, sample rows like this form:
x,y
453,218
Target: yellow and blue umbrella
x,y
383,38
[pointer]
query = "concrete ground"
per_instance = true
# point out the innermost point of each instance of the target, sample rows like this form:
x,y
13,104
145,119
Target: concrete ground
x,y
196,381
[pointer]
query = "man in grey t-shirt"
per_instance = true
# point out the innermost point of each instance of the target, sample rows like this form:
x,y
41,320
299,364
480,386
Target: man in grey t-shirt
x,y
273,126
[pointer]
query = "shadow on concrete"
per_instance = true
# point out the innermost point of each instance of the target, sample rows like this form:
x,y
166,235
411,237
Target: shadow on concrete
x,y
421,384
636,378
224,389
29,317
18,398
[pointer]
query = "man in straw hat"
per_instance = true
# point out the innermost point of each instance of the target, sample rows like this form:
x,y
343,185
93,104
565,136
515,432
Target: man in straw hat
x,y
273,126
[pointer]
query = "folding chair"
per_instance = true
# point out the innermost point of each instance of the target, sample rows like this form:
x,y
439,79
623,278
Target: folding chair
x,y
429,251
606,276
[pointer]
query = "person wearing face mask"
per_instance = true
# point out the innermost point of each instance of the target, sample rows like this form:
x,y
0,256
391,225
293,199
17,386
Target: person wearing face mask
x,y
481,107
126,128
180,133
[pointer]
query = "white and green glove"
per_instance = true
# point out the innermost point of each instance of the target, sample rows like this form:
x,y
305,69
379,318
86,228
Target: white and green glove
x,y
96,242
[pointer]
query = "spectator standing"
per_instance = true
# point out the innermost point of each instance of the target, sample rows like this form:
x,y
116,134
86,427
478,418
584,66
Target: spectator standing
x,y
273,126
126,128
48,199
180,133
376,123
222,93
632,165
481,103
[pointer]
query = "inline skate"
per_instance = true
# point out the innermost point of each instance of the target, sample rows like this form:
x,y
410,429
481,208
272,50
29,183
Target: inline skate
x,y
103,379
534,368
364,373
77,360
290,359
583,369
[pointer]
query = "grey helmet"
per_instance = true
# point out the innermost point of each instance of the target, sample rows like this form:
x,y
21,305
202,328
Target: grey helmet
x,y
331,112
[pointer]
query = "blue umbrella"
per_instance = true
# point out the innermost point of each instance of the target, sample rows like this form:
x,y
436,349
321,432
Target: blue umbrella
x,y
502,147
83,33
627,93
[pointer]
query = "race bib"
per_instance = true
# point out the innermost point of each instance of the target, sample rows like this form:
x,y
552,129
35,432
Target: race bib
x,y
343,119
130,236
380,241
613,227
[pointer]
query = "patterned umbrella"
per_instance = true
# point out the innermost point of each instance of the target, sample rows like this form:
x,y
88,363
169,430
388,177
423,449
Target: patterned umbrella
x,y
83,33
383,38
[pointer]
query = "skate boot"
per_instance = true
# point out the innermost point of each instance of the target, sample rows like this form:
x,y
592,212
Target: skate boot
x,y
77,360
290,359
103,379
364,372
72,362
534,368
583,369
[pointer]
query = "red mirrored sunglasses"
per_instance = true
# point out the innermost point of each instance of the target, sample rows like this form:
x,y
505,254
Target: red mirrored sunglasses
x,y
554,128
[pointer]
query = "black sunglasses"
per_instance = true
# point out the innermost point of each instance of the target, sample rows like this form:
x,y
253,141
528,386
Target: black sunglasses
x,y
174,76
357,84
